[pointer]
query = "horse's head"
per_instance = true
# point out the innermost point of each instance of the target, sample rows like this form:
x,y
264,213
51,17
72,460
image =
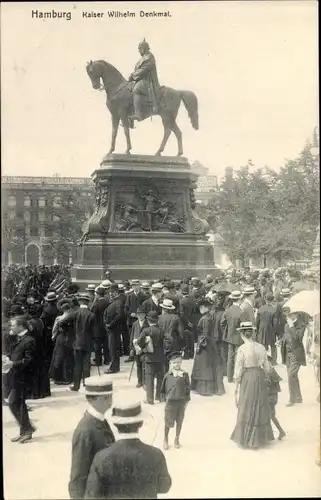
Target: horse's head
x,y
94,72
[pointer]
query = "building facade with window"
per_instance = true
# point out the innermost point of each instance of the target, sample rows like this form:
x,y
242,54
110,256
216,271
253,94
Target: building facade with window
x,y
31,205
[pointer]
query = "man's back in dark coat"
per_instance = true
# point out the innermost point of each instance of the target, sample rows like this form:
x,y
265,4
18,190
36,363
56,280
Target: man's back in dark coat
x,y
83,322
230,321
128,469
24,357
149,305
265,324
114,315
133,300
91,436
157,337
98,308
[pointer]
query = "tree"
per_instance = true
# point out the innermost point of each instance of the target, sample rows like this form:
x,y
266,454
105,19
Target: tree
x,y
69,213
259,212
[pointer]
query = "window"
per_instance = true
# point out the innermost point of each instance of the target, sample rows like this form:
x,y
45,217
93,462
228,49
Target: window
x,y
57,202
27,201
41,201
41,216
11,214
27,216
34,231
12,201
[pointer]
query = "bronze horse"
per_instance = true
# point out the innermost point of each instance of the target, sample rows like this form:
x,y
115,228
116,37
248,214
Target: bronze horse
x,y
120,104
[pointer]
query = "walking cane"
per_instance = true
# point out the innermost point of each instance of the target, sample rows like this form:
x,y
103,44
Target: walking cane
x,y
131,371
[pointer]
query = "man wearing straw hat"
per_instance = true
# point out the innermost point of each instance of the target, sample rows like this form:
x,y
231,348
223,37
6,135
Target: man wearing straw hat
x,y
92,434
230,321
129,468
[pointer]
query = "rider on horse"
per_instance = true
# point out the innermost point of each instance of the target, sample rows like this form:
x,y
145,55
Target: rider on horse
x,y
146,84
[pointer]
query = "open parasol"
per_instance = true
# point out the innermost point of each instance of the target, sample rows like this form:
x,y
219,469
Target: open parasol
x,y
307,301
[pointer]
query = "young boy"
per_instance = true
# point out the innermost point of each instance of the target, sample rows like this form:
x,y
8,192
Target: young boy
x,y
273,384
176,392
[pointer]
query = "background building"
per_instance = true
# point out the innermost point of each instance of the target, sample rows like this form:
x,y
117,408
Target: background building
x,y
42,217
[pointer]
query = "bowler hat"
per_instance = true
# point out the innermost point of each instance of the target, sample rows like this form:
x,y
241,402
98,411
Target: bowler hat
x,y
98,386
72,288
126,413
100,290
205,301
140,310
17,310
185,290
114,287
167,304
51,296
65,301
152,316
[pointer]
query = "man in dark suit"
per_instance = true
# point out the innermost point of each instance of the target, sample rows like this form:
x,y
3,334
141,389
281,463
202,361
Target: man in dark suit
x,y
129,468
22,364
172,329
92,434
139,354
133,300
188,313
294,353
266,324
153,302
99,306
230,321
114,317
154,359
83,322
48,316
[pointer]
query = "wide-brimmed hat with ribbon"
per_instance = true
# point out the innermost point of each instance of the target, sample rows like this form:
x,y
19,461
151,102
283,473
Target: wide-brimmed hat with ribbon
x,y
167,304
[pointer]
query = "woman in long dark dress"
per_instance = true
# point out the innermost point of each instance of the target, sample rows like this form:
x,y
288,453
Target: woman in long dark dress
x,y
253,427
207,373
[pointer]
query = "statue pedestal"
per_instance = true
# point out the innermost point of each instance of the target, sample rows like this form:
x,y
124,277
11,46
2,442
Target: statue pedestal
x,y
144,225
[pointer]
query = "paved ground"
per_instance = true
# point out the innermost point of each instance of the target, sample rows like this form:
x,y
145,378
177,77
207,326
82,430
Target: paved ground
x,y
207,465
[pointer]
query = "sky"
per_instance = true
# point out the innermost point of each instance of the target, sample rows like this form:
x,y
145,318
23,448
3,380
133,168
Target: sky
x,y
252,65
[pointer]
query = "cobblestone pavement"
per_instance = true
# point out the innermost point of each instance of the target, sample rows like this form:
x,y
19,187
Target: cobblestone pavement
x,y
208,465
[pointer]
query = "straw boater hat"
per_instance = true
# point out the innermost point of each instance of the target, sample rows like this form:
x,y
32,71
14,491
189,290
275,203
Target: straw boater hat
x,y
145,284
91,288
98,386
246,325
167,304
106,284
84,296
157,287
248,290
235,295
51,296
285,292
127,413
137,282
121,286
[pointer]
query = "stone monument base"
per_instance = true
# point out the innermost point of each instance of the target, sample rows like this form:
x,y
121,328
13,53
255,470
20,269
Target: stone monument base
x,y
144,226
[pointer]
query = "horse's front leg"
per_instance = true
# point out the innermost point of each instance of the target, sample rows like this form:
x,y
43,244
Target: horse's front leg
x,y
127,134
167,133
115,125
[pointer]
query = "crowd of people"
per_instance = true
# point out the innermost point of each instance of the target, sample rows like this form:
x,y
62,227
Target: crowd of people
x,y
229,325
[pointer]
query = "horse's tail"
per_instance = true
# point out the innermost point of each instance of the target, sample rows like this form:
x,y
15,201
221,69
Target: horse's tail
x,y
191,104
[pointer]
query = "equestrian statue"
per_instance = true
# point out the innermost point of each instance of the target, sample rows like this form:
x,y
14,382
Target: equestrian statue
x,y
141,97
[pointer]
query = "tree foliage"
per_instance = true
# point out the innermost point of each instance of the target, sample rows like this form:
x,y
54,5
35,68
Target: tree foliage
x,y
69,213
261,212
